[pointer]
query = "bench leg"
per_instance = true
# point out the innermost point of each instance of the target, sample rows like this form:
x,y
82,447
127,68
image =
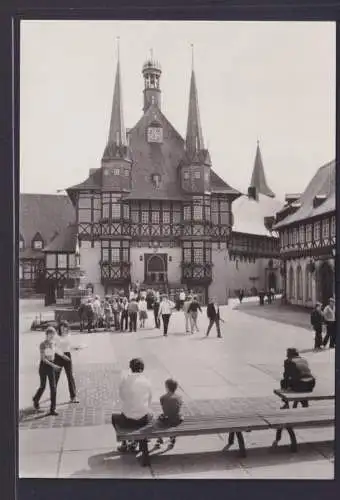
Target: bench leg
x,y
241,444
143,447
231,439
293,443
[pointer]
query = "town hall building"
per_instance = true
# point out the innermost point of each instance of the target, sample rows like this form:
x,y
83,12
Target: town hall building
x,y
156,212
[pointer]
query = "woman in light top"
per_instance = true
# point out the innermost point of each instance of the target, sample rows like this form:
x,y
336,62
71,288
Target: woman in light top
x,y
142,307
64,360
47,370
165,309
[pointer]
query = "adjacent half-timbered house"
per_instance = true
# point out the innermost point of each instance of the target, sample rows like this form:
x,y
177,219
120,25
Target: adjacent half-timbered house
x,y
42,218
253,250
307,228
155,211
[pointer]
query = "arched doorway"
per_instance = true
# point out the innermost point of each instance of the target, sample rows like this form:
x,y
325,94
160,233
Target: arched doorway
x,y
325,282
155,268
291,283
299,292
272,281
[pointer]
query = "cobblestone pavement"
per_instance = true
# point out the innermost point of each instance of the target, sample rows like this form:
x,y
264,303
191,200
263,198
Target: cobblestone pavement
x,y
235,374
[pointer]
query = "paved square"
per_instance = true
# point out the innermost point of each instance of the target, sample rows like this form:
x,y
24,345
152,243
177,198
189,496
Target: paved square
x,y
238,372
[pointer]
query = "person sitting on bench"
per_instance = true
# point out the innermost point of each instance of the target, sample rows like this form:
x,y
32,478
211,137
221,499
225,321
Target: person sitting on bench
x,y
297,376
171,406
135,396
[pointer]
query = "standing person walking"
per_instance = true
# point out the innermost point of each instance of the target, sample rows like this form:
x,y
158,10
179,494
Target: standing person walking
x,y
107,313
156,305
213,313
165,310
96,312
115,311
124,317
193,311
316,319
187,315
63,359
133,312
89,315
142,307
329,317
47,370
181,299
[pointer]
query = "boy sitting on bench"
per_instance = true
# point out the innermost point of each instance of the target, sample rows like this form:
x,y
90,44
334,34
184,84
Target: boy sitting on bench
x,y
297,376
171,406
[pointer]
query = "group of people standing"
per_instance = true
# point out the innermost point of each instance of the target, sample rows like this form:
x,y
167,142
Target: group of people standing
x,y
326,317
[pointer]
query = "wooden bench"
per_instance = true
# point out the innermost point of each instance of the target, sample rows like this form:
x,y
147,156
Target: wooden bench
x,y
233,425
296,397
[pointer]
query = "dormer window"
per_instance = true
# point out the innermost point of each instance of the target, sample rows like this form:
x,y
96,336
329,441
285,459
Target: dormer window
x,y
21,242
37,242
186,176
197,174
116,171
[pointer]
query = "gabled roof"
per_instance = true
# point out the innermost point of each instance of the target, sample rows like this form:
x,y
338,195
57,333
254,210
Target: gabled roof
x,y
322,184
30,253
66,241
44,213
249,214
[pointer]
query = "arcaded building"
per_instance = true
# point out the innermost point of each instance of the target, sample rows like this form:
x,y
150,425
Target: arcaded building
x,y
307,228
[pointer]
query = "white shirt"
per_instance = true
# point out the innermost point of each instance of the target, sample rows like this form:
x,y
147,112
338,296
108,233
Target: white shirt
x,y
135,396
142,305
132,295
329,313
166,307
182,296
63,343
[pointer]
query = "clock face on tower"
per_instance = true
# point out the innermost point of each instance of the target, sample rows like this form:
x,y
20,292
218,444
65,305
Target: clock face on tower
x,y
155,134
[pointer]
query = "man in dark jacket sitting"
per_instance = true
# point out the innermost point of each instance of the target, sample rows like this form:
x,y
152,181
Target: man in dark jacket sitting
x,y
213,313
297,375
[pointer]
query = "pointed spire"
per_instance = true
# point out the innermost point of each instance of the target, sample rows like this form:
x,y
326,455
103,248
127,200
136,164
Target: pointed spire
x,y
117,133
258,178
194,137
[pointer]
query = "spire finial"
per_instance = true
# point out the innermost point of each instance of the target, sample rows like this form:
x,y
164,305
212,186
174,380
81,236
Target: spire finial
x,y
192,55
118,52
258,141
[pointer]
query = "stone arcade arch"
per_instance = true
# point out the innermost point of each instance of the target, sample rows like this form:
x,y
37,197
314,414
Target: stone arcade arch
x,y
325,282
299,287
291,283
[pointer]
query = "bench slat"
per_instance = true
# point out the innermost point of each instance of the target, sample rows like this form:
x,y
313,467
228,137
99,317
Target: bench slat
x,y
309,396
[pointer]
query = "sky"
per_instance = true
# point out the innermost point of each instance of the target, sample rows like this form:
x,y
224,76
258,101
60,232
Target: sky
x,y
267,81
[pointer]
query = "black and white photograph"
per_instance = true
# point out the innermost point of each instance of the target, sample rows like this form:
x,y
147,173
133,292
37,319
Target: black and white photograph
x,y
177,243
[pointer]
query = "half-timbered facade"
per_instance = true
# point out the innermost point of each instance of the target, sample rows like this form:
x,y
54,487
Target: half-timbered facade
x,y
253,250
42,218
307,228
155,211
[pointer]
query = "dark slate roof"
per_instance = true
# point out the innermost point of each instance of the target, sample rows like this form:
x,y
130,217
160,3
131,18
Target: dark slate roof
x,y
249,214
258,178
218,185
31,253
47,214
94,181
323,183
65,241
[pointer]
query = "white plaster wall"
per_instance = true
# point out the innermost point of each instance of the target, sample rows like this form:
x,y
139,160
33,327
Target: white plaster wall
x,y
218,286
89,263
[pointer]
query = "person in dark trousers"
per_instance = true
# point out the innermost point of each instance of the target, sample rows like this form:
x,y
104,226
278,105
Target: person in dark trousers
x,y
165,310
240,295
171,406
135,398
133,312
82,316
316,319
124,317
47,370
297,376
63,359
193,309
89,315
329,317
213,313
156,305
